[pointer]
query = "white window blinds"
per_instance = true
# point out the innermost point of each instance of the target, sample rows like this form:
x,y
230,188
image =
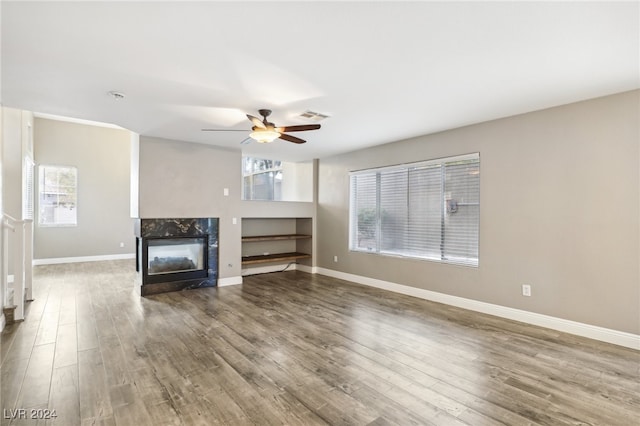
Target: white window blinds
x,y
27,189
428,210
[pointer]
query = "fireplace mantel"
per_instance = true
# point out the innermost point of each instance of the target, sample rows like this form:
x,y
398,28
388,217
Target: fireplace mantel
x,y
176,254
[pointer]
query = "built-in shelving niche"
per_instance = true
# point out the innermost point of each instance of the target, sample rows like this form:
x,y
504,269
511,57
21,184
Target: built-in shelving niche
x,y
272,244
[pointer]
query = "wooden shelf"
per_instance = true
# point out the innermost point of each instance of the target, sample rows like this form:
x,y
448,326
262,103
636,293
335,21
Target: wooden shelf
x,y
287,240
275,257
275,237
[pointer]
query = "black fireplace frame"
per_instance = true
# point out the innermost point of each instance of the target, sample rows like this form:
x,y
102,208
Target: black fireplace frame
x,y
172,228
173,276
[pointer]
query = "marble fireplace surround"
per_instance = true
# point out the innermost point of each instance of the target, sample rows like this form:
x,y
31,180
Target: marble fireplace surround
x,y
155,228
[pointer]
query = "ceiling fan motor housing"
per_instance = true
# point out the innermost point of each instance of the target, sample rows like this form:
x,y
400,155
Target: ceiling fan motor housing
x,y
264,112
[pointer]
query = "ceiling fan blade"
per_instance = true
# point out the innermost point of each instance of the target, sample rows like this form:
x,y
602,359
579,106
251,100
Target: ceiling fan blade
x,y
223,130
256,121
290,138
246,141
300,128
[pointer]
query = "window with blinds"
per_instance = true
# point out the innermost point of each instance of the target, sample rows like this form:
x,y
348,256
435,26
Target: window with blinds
x,y
27,189
427,210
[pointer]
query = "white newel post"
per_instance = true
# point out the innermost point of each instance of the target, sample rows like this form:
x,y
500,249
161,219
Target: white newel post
x,y
4,267
14,240
18,270
28,260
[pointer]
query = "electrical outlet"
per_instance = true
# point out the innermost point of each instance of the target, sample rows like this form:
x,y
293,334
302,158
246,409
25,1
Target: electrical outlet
x,y
526,290
121,244
335,259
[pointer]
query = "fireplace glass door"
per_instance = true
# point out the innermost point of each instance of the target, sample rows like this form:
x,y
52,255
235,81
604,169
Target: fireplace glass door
x,y
176,255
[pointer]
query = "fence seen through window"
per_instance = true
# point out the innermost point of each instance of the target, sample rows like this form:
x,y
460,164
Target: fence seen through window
x,y
57,196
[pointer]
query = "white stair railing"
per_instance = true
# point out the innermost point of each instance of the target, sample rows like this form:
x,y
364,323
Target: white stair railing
x,y
16,238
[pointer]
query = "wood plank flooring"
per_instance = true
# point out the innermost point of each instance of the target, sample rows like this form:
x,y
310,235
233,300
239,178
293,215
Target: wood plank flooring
x,y
296,349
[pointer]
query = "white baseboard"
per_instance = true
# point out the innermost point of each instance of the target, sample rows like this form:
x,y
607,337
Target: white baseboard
x,y
223,282
616,337
59,260
308,269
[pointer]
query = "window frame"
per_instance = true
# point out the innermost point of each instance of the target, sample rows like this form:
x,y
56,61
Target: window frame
x,y
272,174
41,176
406,250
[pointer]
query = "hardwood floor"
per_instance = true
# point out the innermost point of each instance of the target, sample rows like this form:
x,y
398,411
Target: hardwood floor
x,y
294,348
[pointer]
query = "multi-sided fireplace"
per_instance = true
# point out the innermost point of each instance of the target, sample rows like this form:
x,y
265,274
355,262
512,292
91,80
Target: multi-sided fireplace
x,y
181,257
176,254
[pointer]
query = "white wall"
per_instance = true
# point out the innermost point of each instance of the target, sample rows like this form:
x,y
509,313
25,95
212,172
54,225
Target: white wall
x,y
297,184
2,253
17,125
134,178
17,144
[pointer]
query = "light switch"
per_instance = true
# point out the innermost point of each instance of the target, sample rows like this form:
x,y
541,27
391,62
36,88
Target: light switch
x,y
226,192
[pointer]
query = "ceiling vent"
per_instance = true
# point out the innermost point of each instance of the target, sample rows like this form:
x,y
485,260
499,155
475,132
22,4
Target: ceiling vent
x,y
313,116
116,95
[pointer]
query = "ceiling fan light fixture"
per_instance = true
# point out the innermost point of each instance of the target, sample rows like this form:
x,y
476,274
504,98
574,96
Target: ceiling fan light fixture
x,y
264,136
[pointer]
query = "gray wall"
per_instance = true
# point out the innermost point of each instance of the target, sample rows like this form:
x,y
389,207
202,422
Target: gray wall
x,y
102,156
181,179
559,211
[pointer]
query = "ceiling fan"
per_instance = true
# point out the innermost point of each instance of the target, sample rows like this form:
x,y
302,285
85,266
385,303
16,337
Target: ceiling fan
x,y
264,132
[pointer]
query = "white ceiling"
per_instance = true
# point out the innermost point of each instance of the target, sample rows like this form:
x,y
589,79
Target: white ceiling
x,y
383,71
